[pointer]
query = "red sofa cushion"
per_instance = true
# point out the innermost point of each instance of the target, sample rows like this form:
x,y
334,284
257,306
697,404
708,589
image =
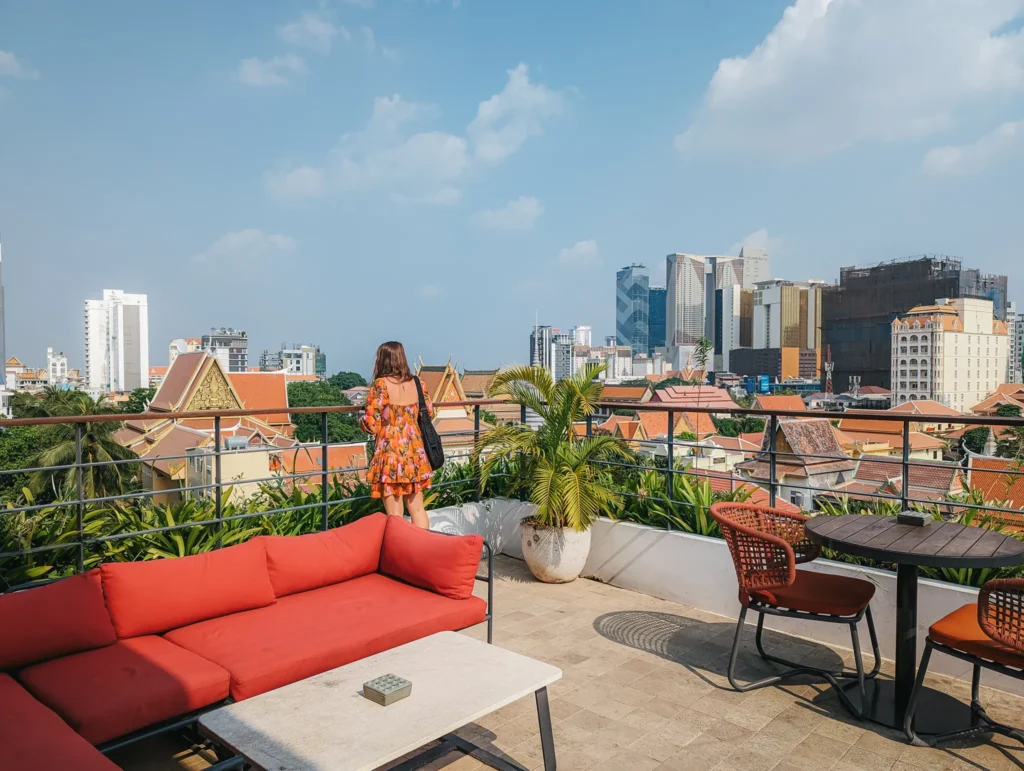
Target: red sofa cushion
x,y
112,691
63,617
154,596
34,738
304,562
312,632
445,564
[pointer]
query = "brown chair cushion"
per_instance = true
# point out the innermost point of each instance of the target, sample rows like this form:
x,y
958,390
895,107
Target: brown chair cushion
x,y
961,631
820,593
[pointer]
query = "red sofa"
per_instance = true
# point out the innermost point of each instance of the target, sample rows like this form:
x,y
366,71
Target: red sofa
x,y
129,649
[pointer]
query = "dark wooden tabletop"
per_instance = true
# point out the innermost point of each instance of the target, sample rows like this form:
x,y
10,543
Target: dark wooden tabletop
x,y
936,545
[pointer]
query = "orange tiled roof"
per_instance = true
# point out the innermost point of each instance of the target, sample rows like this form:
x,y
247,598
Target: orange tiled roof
x,y
262,390
926,407
689,396
179,379
790,402
989,475
624,393
700,423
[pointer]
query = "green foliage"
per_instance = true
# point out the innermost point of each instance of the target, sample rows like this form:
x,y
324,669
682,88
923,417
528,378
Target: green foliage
x,y
672,381
735,427
488,417
341,426
1011,443
1008,411
345,380
26,405
637,381
565,482
138,400
18,446
974,439
646,502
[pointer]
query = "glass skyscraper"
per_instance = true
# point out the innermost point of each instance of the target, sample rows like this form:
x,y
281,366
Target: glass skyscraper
x,y
632,307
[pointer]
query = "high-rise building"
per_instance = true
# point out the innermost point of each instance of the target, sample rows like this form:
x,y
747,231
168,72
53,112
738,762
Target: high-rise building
x,y
656,319
182,345
117,341
857,313
1014,354
1018,353
689,299
230,346
953,351
540,347
562,348
632,307
729,322
296,359
56,367
583,335
787,314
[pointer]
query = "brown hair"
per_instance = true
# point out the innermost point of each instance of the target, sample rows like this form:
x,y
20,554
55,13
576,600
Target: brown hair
x,y
391,362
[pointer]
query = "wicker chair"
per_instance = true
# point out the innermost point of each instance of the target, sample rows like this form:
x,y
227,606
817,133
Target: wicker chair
x,y
989,634
766,546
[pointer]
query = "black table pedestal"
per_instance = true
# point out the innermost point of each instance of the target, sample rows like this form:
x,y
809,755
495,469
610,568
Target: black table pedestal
x,y
937,712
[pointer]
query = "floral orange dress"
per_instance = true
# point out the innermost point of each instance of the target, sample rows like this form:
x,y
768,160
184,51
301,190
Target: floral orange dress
x,y
399,465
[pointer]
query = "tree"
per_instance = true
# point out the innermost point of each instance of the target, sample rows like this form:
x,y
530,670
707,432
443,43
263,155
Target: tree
x,y
565,483
638,381
488,417
735,427
974,439
138,400
98,447
346,380
26,405
341,426
18,445
1010,442
1008,411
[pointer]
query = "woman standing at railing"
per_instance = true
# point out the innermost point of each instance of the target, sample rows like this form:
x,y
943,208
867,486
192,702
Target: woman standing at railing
x,y
399,471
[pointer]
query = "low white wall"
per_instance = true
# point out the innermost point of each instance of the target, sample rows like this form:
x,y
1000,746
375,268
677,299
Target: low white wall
x,y
697,571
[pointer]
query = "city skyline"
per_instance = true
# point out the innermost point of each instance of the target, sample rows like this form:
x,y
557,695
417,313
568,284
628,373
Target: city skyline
x,y
483,191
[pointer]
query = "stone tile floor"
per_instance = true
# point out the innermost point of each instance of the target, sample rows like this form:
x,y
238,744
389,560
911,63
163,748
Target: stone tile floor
x,y
644,687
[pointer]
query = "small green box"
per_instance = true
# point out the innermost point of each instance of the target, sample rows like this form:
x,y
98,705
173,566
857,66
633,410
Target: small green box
x,y
387,689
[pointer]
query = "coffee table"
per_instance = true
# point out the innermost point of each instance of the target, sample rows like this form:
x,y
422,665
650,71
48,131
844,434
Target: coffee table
x,y
324,723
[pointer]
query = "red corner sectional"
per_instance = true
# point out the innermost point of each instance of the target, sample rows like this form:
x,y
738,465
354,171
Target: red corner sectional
x,y
89,660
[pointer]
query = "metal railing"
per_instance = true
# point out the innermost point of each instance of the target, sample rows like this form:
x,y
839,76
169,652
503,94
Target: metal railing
x,y
682,457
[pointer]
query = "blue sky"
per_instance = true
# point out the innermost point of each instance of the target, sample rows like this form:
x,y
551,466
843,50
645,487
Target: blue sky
x,y
352,171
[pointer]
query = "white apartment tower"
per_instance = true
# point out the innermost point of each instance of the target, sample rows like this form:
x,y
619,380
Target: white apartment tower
x,y
954,352
117,341
689,294
583,335
1014,328
56,367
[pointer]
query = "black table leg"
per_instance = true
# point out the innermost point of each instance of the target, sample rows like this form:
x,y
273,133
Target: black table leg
x,y
906,636
547,738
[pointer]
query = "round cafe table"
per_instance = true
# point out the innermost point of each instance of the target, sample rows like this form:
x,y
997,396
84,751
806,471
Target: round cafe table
x,y
935,545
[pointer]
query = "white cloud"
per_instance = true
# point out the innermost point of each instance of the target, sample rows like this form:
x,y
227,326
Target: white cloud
x,y
270,72
1004,142
759,238
425,166
249,244
12,67
519,214
314,31
506,120
836,73
369,41
580,254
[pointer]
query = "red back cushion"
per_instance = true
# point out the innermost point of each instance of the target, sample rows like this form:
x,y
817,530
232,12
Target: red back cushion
x,y
53,620
444,564
299,563
155,596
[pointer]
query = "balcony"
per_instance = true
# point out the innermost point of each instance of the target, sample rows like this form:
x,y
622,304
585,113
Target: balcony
x,y
644,643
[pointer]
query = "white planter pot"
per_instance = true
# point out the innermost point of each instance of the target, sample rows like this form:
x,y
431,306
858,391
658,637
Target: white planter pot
x,y
555,555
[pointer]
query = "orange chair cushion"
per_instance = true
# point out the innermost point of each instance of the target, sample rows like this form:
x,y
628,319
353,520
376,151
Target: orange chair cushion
x,y
823,593
311,632
34,738
154,596
445,564
304,562
63,617
112,691
961,631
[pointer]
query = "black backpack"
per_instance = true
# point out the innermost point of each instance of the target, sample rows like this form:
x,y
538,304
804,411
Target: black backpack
x,y
431,441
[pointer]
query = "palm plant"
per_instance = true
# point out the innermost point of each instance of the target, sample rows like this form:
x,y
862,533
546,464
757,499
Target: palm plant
x,y
98,447
564,478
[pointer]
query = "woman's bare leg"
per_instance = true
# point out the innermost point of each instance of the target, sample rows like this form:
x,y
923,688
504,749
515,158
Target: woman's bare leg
x,y
393,505
417,510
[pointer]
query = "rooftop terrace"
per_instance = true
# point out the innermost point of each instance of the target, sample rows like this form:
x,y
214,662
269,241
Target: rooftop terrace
x,y
644,687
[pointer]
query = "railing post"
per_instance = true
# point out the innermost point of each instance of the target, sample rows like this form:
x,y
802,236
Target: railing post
x,y
476,424
590,425
905,492
670,486
773,430
80,494
217,478
324,482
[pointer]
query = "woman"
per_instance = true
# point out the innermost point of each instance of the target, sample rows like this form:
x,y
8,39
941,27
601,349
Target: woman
x,y
399,471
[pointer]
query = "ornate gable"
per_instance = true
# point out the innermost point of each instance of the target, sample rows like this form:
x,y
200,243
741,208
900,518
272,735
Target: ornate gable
x,y
213,392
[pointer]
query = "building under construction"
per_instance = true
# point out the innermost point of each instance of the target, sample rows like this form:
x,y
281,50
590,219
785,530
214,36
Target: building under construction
x,y
857,313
